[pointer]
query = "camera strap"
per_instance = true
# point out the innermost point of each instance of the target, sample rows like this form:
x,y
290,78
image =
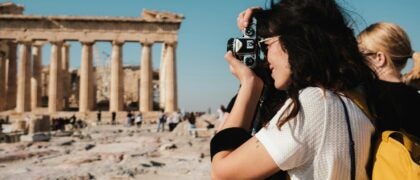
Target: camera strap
x,y
256,122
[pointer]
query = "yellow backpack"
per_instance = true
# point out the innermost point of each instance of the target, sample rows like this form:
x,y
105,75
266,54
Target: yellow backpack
x,y
397,157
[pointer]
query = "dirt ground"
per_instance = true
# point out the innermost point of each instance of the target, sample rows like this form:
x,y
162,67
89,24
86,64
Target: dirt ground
x,y
107,151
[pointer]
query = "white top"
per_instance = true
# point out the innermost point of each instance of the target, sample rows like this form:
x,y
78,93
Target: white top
x,y
315,143
139,118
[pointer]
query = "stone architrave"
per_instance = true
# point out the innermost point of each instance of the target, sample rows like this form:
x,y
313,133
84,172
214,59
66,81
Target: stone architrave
x,y
65,58
117,89
146,99
54,87
36,75
170,78
162,77
85,94
2,81
11,79
23,97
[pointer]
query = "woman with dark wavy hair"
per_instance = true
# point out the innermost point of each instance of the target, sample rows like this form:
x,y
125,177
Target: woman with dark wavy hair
x,y
319,133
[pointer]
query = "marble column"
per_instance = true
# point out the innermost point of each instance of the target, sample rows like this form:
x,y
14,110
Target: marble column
x,y
36,75
2,80
23,97
92,86
34,100
54,84
146,98
65,58
85,95
162,77
11,79
117,89
170,79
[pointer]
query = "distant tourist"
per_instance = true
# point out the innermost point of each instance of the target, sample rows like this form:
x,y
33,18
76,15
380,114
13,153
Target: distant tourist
x,y
161,121
174,119
130,119
192,129
98,116
113,116
139,119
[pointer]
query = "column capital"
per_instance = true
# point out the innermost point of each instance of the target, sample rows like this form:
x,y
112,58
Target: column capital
x,y
11,42
24,41
146,42
85,42
38,43
65,44
171,43
117,42
57,42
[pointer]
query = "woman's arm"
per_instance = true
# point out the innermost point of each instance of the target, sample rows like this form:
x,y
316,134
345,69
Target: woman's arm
x,y
250,160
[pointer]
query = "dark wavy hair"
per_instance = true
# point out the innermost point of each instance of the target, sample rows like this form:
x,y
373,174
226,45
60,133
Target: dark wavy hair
x,y
323,51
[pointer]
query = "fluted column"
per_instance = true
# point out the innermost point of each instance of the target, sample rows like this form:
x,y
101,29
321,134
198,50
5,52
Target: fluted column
x,y
92,85
146,99
2,80
36,85
85,95
54,86
162,77
24,78
170,85
65,74
11,79
117,89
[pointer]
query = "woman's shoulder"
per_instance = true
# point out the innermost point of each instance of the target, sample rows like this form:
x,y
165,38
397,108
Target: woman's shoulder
x,y
314,93
396,91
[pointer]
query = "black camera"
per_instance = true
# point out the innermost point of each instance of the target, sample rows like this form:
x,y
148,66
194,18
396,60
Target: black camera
x,y
246,48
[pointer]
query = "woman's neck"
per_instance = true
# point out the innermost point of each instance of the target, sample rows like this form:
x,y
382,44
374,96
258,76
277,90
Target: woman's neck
x,y
389,75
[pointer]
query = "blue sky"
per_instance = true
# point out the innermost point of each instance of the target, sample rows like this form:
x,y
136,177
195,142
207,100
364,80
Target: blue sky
x,y
204,79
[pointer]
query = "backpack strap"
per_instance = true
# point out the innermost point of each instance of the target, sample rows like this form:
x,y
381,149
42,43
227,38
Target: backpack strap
x,y
351,145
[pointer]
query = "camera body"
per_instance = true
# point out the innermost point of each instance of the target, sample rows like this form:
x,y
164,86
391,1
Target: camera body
x,y
246,48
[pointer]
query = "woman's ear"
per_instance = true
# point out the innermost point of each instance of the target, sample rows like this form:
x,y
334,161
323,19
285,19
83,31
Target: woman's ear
x,y
379,60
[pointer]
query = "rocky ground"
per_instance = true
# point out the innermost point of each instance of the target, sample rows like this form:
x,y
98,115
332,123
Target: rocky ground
x,y
112,152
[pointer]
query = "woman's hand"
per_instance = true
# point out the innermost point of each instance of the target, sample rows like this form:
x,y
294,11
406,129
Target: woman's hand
x,y
242,72
245,16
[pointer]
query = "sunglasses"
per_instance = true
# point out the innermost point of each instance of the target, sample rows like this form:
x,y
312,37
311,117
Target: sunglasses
x,y
265,42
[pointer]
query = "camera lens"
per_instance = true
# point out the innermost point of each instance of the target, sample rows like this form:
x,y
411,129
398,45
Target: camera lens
x,y
249,32
249,61
230,45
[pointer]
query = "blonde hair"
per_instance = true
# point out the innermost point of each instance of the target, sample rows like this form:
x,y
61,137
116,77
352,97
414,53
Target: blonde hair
x,y
388,38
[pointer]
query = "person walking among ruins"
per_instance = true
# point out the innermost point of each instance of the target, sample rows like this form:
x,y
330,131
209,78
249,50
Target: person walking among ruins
x,y
113,117
99,116
161,121
174,119
192,128
139,119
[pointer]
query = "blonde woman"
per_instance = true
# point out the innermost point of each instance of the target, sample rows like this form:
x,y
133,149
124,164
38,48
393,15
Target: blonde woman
x,y
386,47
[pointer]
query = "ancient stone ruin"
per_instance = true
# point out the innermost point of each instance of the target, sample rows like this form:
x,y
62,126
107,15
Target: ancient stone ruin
x,y
24,83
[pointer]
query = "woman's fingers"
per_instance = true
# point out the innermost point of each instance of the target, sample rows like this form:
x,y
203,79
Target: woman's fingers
x,y
245,16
